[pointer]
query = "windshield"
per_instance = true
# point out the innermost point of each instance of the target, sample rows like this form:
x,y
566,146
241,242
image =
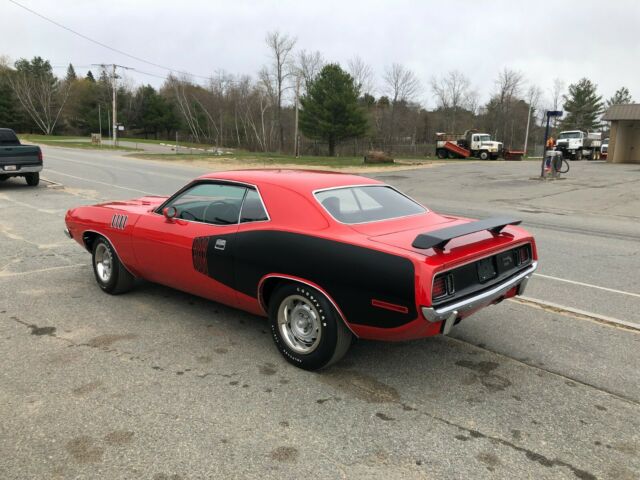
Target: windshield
x,y
569,135
484,138
367,204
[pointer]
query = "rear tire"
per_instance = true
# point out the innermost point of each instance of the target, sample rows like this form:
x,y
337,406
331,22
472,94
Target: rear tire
x,y
33,179
111,275
306,327
451,155
441,154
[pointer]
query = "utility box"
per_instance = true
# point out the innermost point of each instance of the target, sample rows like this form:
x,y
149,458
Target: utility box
x,y
96,139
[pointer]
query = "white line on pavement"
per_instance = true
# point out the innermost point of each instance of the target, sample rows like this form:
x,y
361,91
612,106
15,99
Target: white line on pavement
x,y
41,270
573,282
584,313
99,183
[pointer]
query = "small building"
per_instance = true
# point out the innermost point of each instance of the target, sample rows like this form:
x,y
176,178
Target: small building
x,y
624,139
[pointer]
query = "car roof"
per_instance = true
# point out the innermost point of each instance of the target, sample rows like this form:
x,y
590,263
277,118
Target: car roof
x,y
302,181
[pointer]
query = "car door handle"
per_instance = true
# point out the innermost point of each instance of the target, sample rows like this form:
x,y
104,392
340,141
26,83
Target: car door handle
x,y
221,244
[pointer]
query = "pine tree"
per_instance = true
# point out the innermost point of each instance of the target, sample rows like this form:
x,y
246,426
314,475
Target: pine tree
x,y
621,96
71,74
330,109
583,107
90,77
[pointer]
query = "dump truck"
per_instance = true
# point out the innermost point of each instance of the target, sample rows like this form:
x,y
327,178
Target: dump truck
x,y
576,144
471,144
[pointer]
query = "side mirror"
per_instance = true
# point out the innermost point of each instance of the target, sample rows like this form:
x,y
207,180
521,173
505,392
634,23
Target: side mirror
x,y
170,213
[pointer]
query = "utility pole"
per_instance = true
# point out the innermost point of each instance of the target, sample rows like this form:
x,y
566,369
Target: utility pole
x,y
296,141
115,107
100,123
114,87
526,135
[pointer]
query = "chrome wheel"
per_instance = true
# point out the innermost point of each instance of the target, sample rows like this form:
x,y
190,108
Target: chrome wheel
x,y
299,324
103,262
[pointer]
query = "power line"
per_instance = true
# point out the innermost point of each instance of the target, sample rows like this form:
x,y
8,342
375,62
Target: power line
x,y
103,44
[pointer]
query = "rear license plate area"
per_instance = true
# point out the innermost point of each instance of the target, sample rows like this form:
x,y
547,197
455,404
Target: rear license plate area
x,y
505,261
486,269
10,168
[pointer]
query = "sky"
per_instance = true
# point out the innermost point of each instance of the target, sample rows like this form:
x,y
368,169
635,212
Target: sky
x,y
543,40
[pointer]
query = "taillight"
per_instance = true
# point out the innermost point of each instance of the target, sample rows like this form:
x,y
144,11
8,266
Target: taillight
x,y
442,286
39,155
439,287
523,255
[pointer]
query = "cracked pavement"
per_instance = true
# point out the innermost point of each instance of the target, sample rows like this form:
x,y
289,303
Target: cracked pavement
x,y
158,384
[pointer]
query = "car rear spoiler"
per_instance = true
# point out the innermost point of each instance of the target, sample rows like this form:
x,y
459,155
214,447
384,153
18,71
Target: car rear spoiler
x,y
438,239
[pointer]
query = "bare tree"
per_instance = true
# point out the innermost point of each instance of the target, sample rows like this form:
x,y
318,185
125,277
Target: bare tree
x,y
533,97
402,85
453,93
556,92
40,93
362,74
308,66
508,86
281,47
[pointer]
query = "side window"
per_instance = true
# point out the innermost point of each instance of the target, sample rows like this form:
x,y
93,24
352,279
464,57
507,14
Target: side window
x,y
218,204
252,208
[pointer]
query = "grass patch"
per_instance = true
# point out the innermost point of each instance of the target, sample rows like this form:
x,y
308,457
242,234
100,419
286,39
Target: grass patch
x,y
71,142
271,159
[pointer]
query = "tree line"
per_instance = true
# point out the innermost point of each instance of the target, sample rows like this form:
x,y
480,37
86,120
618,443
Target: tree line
x,y
338,109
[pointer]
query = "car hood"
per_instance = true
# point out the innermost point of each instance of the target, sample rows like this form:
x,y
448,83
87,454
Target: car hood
x,y
137,205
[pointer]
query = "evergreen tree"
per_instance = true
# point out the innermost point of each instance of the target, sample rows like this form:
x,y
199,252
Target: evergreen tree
x,y
71,74
330,109
621,96
583,107
8,102
90,77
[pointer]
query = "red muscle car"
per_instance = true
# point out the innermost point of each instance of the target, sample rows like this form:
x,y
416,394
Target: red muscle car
x,y
325,256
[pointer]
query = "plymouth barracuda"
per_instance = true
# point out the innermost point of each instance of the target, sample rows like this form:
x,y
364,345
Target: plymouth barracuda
x,y
327,257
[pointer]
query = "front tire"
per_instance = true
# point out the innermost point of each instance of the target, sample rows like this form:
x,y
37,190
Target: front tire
x,y
484,155
33,179
306,328
111,275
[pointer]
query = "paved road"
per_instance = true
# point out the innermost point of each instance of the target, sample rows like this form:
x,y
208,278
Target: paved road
x,y
159,384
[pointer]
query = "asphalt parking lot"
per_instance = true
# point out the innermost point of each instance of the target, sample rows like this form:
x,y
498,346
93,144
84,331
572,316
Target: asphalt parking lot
x,y
158,384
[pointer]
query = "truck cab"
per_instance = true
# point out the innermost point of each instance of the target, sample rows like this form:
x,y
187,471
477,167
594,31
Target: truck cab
x,y
482,146
576,144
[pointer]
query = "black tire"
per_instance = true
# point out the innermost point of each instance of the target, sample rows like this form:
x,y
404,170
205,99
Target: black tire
x,y
441,154
333,337
118,280
578,155
33,179
483,155
451,154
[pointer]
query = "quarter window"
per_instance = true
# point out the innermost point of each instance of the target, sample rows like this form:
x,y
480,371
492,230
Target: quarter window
x,y
252,208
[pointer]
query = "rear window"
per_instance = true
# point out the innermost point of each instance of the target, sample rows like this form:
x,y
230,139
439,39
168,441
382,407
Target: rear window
x,y
8,138
365,204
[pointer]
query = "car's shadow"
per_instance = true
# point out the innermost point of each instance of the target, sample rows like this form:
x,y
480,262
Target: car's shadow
x,y
438,361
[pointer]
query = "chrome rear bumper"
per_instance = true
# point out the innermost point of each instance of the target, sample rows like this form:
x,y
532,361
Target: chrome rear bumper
x,y
452,311
23,169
